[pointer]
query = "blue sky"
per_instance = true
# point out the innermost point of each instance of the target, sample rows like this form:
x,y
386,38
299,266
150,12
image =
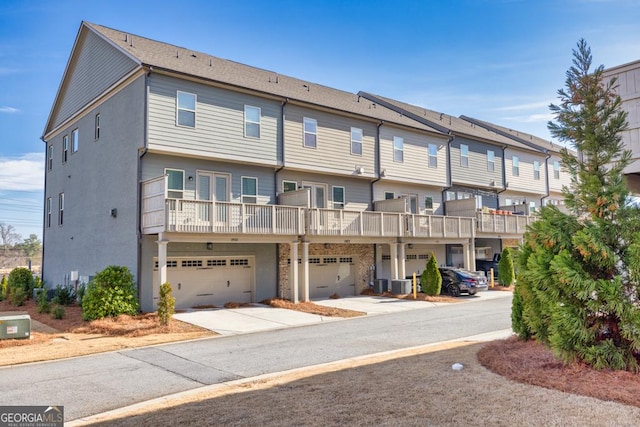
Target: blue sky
x,y
497,60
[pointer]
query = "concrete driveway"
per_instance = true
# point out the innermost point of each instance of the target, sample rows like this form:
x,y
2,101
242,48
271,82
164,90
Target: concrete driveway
x,y
261,317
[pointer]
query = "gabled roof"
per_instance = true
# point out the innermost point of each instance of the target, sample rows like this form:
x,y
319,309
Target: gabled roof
x,y
156,55
447,124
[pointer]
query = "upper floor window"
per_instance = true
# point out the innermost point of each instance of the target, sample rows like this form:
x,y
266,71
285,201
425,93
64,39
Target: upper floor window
x,y
356,141
433,156
536,169
50,157
464,155
289,186
515,166
249,190
338,197
61,209
252,121
491,160
398,149
96,127
48,218
310,132
428,203
65,148
556,169
389,195
75,142
186,109
175,183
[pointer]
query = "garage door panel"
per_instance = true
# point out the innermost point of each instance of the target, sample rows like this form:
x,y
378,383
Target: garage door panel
x,y
331,275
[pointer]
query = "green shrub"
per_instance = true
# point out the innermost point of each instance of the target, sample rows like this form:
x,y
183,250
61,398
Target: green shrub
x,y
4,288
58,312
111,292
17,296
65,295
21,278
167,304
505,267
82,290
431,279
43,304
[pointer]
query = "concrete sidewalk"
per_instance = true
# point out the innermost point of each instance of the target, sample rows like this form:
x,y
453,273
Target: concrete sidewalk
x,y
261,317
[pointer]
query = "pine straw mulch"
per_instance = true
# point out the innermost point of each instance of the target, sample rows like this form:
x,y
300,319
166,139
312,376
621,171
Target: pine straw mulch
x,y
309,307
419,296
529,362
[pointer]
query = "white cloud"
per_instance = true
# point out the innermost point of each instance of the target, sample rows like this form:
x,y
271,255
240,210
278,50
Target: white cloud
x,y
9,110
530,106
24,173
532,118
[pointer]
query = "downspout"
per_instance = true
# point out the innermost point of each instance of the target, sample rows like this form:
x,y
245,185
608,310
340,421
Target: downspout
x,y
546,178
449,175
505,184
141,153
44,204
275,186
379,173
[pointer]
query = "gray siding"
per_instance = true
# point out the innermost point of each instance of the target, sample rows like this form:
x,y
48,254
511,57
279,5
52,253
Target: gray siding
x,y
477,172
525,181
219,130
100,176
415,165
333,151
357,191
555,185
154,164
97,66
421,191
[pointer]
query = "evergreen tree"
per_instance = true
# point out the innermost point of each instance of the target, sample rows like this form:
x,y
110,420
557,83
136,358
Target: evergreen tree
x,y
578,274
505,267
431,279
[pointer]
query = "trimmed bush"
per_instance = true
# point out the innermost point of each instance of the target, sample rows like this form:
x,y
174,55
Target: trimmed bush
x,y
167,304
431,279
21,278
111,292
4,288
65,295
43,304
58,312
17,296
505,267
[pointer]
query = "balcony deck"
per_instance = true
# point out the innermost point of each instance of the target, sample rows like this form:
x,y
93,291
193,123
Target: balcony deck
x,y
503,224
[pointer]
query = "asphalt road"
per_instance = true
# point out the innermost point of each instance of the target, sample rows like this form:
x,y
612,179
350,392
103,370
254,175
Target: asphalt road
x,y
94,384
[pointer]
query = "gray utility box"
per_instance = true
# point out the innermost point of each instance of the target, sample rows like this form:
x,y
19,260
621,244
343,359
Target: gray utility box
x,y
402,286
18,326
380,286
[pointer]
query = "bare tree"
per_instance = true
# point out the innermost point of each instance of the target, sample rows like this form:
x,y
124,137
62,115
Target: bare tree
x,y
8,236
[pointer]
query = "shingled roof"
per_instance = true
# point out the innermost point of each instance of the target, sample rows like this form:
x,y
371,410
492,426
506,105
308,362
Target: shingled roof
x,y
170,58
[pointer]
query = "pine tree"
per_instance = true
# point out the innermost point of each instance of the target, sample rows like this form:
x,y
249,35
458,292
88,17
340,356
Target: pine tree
x,y
431,279
505,267
578,274
166,304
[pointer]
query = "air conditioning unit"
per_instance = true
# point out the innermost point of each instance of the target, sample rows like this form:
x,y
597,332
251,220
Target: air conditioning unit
x,y
18,326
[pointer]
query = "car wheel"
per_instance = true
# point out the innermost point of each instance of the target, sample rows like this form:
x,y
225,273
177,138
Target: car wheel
x,y
454,290
471,293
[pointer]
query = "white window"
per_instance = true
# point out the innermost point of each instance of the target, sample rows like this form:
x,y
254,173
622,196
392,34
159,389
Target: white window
x,y
413,202
556,169
338,197
428,203
186,109
65,148
464,155
249,190
433,156
75,143
491,160
536,170
398,149
252,121
175,183
50,157
60,208
48,219
356,141
532,207
97,127
515,166
310,132
289,186
450,195
389,195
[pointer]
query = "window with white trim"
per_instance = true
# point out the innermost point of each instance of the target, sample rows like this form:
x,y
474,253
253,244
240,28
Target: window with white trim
x,y
398,149
249,189
491,160
433,156
289,186
252,121
175,183
75,143
464,155
356,141
96,127
48,219
515,166
50,157
338,197
310,132
428,203
61,209
556,169
65,148
186,109
536,170
388,195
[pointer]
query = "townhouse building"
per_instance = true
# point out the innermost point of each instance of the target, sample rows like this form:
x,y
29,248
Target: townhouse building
x,y
239,184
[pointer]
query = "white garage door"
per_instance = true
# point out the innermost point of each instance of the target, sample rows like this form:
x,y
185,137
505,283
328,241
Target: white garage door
x,y
209,281
330,275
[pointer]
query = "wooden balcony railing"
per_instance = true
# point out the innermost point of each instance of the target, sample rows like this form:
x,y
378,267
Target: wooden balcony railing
x,y
439,226
500,223
339,222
